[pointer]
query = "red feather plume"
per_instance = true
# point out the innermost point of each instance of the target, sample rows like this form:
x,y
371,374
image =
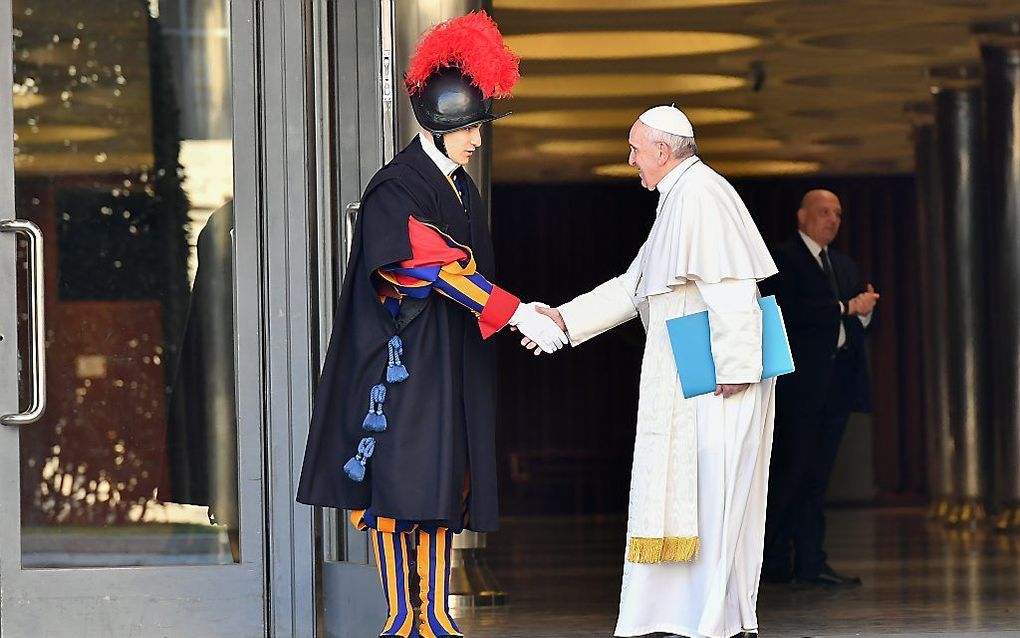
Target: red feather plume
x,y
471,43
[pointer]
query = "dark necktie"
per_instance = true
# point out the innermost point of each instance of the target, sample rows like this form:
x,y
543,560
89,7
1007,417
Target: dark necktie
x,y
829,274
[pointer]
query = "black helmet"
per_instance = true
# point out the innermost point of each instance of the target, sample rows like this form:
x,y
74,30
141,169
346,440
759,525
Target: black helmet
x,y
448,102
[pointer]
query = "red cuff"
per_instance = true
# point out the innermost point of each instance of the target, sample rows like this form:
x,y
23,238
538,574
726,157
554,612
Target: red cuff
x,y
497,312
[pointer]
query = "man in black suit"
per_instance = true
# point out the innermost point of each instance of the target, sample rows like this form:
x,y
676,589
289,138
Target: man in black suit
x,y
827,312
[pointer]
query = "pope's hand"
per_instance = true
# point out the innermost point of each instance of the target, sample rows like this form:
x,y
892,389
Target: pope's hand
x,y
538,328
727,390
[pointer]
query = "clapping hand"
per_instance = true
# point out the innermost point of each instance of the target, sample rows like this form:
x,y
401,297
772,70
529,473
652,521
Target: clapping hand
x,y
540,331
863,303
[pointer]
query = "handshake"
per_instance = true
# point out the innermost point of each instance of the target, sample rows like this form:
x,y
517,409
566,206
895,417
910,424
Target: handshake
x,y
543,327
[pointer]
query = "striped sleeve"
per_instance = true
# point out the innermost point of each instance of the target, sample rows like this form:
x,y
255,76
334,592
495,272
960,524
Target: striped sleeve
x,y
441,264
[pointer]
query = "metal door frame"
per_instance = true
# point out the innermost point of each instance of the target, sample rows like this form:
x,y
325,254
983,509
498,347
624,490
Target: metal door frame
x,y
270,88
355,118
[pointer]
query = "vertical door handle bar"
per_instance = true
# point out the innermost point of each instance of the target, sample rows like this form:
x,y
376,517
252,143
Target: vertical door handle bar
x,y
37,322
350,218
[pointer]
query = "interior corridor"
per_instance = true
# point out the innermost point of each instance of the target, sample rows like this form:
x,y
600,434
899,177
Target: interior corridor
x,y
562,576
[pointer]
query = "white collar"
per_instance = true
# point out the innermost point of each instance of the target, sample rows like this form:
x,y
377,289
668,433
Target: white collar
x,y
811,244
445,164
672,177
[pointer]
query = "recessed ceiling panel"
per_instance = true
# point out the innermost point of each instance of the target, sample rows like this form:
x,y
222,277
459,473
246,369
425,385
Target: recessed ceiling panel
x,y
618,146
594,45
619,118
622,85
615,5
732,168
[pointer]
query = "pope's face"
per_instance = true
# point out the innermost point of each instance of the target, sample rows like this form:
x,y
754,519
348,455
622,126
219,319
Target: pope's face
x,y
461,145
649,157
819,216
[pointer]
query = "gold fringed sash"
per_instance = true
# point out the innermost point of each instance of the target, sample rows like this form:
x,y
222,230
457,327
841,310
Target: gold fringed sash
x,y
675,549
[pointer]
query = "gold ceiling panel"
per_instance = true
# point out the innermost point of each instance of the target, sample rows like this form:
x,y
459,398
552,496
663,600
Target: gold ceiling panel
x,y
618,118
624,84
594,45
615,5
618,146
735,168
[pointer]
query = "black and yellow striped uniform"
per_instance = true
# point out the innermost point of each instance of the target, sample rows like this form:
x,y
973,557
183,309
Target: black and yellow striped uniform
x,y
394,543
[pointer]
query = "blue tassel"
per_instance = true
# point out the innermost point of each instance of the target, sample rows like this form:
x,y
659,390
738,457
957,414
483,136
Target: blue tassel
x,y
375,420
395,370
355,468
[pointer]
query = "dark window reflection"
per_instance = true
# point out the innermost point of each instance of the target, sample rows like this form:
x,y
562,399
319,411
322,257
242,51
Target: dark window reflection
x,y
123,153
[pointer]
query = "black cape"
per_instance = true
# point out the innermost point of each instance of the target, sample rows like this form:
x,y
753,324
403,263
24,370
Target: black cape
x,y
441,419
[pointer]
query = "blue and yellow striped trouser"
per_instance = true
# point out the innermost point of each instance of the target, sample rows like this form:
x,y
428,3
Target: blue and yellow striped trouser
x,y
394,544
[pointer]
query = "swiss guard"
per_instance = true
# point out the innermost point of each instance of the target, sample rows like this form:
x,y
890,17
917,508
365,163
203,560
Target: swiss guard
x,y
402,432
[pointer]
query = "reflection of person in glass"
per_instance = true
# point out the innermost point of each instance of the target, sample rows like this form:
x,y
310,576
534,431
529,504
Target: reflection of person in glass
x,y
202,435
409,338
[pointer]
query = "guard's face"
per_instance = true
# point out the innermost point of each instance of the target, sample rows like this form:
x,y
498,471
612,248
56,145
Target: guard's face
x,y
820,217
649,157
461,145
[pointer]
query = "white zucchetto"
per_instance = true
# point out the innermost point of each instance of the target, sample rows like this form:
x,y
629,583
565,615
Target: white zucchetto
x,y
669,119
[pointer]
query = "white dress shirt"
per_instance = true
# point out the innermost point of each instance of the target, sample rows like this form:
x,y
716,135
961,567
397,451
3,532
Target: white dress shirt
x,y
816,250
445,164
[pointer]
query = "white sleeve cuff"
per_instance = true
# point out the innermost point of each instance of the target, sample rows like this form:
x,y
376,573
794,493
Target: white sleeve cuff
x,y
595,312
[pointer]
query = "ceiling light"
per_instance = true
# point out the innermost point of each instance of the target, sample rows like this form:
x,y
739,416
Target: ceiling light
x,y
623,84
619,118
24,101
617,146
604,147
615,5
748,168
735,168
606,45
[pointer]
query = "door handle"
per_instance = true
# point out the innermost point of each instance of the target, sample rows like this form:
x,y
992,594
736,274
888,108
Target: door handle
x,y
37,322
350,218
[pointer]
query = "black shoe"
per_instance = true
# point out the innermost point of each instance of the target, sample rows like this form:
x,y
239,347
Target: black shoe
x,y
828,577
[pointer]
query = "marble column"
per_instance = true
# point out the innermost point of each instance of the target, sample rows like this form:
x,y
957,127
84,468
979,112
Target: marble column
x,y
1000,53
941,448
960,148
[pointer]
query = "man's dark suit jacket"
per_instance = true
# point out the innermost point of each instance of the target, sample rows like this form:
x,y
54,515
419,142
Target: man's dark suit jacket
x,y
812,315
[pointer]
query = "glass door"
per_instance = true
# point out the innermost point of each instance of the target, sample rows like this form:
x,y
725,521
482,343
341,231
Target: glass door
x,y
131,502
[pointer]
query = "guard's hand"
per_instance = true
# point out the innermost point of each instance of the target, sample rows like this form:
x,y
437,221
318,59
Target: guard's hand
x,y
538,328
553,314
727,390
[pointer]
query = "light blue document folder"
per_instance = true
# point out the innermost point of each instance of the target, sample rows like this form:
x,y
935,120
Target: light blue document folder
x,y
692,347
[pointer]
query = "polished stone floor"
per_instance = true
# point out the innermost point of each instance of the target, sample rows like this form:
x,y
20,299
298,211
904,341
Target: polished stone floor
x,y
562,577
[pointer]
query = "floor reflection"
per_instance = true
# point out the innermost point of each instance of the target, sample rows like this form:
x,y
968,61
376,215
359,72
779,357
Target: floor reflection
x,y
562,576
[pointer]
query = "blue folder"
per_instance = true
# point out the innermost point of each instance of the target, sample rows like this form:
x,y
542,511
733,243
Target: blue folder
x,y
691,339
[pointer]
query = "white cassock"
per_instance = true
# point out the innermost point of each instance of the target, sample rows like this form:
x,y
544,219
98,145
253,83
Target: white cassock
x,y
696,520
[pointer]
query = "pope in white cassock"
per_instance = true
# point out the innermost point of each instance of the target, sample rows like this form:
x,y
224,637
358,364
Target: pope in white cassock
x,y
698,489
